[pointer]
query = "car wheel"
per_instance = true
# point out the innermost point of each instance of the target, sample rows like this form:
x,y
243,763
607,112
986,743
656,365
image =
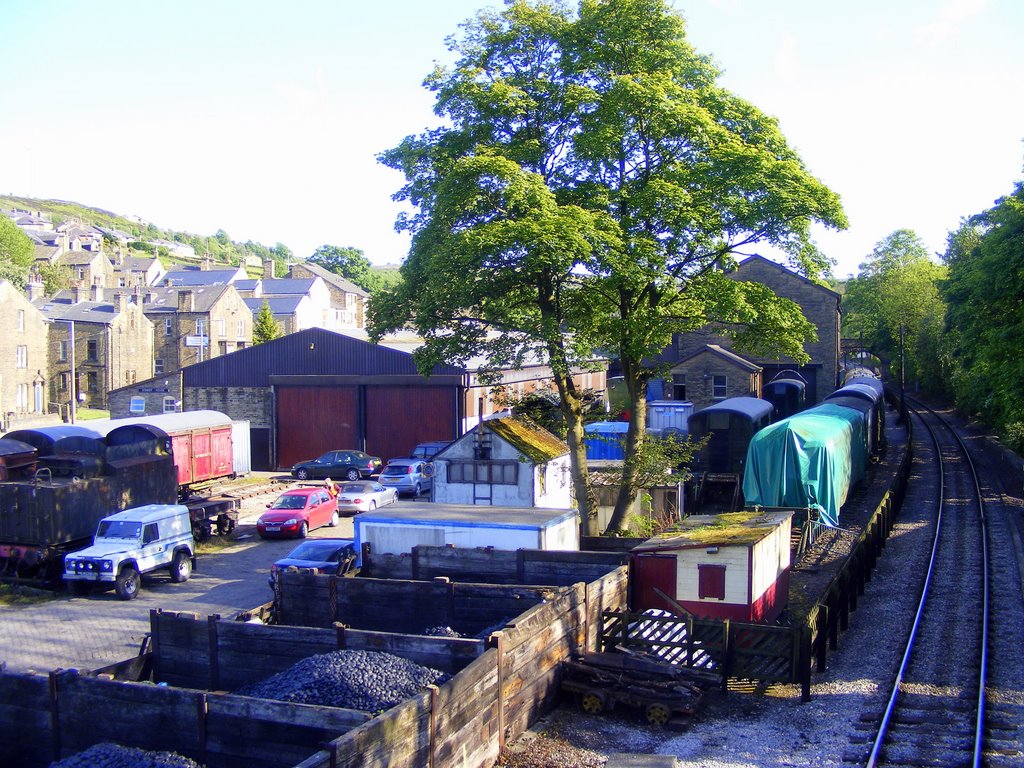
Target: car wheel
x,y
181,567
303,530
417,490
371,506
352,474
302,474
334,519
128,583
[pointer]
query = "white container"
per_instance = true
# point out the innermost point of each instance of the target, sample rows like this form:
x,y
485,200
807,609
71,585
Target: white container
x,y
669,414
397,528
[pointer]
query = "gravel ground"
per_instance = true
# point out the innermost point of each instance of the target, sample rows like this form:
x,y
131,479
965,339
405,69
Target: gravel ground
x,y
772,728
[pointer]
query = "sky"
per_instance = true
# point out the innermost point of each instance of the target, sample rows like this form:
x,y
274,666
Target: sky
x,y
265,119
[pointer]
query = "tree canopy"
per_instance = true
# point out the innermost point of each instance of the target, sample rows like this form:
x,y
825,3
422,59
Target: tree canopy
x,y
348,262
16,253
591,185
984,290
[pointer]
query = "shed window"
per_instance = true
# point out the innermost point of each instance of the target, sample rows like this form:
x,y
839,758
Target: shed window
x,y
679,386
484,472
711,581
719,387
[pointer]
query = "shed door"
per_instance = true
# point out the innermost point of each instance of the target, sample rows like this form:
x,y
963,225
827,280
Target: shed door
x,y
314,420
652,572
397,418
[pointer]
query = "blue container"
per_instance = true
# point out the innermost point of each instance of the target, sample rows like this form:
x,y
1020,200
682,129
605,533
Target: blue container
x,y
605,440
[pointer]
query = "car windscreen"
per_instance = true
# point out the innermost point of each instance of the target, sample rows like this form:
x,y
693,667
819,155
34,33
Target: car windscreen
x,y
289,502
119,529
356,488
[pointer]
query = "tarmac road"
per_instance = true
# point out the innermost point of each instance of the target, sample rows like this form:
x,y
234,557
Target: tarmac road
x,y
100,629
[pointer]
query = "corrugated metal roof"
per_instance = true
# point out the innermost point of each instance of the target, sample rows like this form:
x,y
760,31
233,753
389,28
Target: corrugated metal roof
x,y
309,352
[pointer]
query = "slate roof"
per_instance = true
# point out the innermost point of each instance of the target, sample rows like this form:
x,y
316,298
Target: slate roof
x,y
279,305
166,299
336,280
200,277
723,353
64,308
288,286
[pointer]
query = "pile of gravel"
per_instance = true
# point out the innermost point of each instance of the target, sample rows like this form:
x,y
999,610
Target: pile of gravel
x,y
440,631
370,681
108,755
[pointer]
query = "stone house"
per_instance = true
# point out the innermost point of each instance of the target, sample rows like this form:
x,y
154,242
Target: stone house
x,y
96,345
347,300
820,305
88,268
24,352
193,324
296,303
133,272
505,462
713,373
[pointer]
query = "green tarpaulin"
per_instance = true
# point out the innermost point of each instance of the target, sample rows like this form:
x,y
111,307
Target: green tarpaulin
x,y
810,459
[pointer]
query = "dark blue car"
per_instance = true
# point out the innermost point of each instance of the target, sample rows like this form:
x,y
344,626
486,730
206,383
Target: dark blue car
x,y
332,556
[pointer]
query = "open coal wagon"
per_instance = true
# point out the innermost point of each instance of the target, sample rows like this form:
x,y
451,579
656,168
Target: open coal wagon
x,y
601,681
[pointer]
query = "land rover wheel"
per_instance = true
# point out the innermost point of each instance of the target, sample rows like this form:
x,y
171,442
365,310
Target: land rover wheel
x,y
181,567
128,583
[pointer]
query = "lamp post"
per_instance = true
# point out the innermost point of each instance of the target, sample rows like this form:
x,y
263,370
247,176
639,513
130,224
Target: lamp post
x,y
74,372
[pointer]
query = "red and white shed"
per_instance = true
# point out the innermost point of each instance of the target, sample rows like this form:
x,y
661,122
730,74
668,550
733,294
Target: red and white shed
x,y
732,566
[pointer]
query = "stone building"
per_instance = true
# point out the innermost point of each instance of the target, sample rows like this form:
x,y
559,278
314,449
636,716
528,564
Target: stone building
x,y
347,300
713,373
96,345
23,350
820,306
193,324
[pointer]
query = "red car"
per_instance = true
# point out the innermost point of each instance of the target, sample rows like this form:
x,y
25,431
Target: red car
x,y
295,513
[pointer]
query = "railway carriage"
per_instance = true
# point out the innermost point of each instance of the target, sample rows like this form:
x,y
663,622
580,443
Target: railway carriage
x,y
787,393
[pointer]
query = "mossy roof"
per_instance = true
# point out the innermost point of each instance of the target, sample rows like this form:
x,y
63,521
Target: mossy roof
x,y
730,529
528,437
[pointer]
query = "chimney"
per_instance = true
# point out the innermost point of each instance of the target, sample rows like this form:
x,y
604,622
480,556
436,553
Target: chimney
x,y
186,301
97,292
122,303
34,289
77,294
148,298
206,263
268,269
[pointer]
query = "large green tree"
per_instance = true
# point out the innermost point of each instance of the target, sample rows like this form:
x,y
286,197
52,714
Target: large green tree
x,y
895,306
350,263
984,291
591,186
16,253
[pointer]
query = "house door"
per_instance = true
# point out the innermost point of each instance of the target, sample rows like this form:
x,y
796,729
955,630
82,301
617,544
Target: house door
x,y
653,572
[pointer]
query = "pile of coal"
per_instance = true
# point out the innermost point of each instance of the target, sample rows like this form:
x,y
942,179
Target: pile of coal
x,y
109,755
440,631
370,681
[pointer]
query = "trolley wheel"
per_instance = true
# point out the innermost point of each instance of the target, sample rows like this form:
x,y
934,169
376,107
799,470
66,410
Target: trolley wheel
x,y
658,714
592,703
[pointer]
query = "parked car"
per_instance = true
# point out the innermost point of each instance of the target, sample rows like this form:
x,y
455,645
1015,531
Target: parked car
x,y
348,465
297,512
413,476
365,496
427,451
133,542
332,556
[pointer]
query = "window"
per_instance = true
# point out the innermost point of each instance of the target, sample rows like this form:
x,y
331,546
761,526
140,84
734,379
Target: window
x,y
81,273
21,356
200,327
167,326
122,282
21,319
21,398
137,405
150,534
719,387
484,472
158,366
222,327
679,386
170,405
94,383
241,329
62,351
93,351
62,382
710,581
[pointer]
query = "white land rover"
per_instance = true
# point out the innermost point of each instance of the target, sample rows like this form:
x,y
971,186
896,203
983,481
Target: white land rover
x,y
130,543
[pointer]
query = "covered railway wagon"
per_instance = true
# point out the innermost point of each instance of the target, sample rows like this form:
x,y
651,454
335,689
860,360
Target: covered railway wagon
x,y
199,441
728,425
17,459
68,450
811,459
787,393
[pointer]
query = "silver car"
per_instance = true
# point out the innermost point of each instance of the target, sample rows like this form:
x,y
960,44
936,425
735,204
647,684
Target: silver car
x,y
412,476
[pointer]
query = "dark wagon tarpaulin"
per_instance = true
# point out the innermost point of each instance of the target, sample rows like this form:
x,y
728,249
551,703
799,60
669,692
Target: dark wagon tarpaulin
x,y
811,459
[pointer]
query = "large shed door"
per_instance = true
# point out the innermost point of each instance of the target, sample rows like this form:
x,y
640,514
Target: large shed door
x,y
314,420
397,418
650,572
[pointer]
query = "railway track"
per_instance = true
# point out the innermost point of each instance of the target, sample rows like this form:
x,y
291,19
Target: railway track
x,y
936,711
